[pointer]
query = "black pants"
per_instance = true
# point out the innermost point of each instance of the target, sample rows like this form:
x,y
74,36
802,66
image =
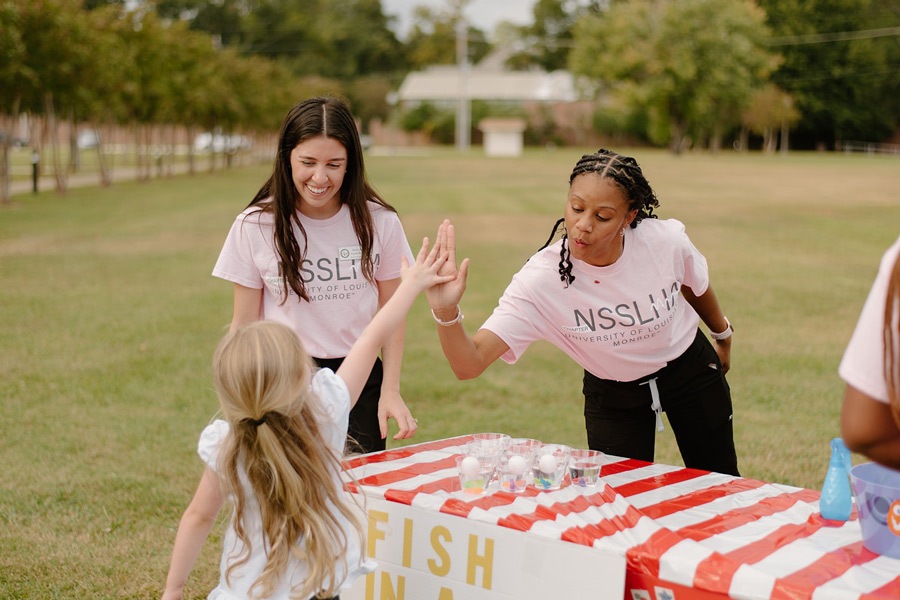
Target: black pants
x,y
693,393
364,433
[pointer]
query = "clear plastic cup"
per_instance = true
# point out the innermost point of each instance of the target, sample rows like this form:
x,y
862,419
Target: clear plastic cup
x,y
492,442
475,472
549,466
584,467
514,468
530,443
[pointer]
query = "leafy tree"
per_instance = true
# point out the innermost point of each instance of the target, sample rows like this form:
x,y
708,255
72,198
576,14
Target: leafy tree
x,y
691,64
110,66
222,19
368,98
146,92
354,40
102,103
58,50
92,4
432,40
546,43
845,88
770,110
14,77
340,39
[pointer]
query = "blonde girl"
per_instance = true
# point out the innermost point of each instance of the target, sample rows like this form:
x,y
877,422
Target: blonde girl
x,y
870,418
276,456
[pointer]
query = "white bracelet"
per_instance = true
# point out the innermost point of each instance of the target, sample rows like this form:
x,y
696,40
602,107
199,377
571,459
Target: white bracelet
x,y
725,334
454,321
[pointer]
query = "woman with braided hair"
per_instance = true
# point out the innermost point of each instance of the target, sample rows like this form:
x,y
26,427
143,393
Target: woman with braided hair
x,y
870,417
622,293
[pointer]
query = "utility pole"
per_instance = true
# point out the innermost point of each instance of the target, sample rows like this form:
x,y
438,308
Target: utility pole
x,y
463,104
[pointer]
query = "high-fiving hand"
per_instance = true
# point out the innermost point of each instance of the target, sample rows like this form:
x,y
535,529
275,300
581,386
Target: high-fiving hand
x,y
444,297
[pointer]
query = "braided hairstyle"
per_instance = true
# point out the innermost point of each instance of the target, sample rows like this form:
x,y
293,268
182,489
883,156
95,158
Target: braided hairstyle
x,y
628,175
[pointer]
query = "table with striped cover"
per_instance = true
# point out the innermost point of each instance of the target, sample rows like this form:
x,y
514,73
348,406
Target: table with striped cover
x,y
690,533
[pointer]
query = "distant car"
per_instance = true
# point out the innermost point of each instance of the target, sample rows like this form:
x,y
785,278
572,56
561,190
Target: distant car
x,y
219,142
15,142
366,141
88,138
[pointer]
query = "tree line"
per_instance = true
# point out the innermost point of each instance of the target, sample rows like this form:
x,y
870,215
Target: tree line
x,y
668,72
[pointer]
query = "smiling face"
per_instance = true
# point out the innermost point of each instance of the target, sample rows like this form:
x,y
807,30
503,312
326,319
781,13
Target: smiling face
x,y
893,517
596,214
318,166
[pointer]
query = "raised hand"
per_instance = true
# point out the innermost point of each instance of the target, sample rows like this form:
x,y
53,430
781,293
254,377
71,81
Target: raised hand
x,y
445,297
426,272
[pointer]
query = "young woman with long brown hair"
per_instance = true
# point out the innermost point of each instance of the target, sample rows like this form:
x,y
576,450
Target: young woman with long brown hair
x,y
319,250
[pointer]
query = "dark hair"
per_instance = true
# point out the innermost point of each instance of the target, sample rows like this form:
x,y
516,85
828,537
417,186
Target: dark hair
x,y
329,117
628,175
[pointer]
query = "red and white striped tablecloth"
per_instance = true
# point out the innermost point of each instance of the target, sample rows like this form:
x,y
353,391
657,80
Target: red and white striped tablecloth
x,y
707,532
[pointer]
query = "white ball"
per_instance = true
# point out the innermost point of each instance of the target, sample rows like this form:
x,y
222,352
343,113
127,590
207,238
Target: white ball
x,y
469,466
548,463
517,465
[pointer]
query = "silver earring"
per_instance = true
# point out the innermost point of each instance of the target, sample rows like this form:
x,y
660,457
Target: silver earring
x,y
622,233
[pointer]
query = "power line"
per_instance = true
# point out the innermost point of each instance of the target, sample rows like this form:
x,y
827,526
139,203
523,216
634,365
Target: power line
x,y
838,36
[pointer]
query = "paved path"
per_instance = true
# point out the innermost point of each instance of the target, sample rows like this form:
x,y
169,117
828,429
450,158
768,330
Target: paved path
x,y
47,183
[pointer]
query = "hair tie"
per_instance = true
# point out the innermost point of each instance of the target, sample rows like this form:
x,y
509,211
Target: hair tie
x,y
259,421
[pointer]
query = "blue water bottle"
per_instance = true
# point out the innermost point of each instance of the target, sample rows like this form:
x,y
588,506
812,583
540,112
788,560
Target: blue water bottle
x,y
836,501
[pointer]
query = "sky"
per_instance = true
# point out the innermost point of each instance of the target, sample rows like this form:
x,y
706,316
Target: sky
x,y
483,14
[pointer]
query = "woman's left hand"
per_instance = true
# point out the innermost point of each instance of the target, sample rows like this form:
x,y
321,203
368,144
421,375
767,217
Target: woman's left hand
x,y
723,350
392,405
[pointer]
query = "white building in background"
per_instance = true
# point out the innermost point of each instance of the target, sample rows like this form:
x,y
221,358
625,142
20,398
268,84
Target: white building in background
x,y
554,101
440,85
502,136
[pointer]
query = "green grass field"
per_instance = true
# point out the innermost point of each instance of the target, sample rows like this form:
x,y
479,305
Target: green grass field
x,y
110,316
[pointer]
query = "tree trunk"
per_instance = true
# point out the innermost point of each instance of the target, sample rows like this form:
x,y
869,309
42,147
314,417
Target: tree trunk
x,y
60,173
136,136
190,148
784,137
770,141
5,196
744,139
143,151
212,153
678,131
74,150
715,140
170,151
229,151
5,176
105,171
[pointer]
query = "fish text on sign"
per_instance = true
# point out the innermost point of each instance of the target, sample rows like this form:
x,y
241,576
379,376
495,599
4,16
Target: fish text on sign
x,y
438,564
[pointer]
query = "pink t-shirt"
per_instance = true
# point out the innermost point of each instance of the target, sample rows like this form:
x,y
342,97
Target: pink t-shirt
x,y
341,301
863,363
619,322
